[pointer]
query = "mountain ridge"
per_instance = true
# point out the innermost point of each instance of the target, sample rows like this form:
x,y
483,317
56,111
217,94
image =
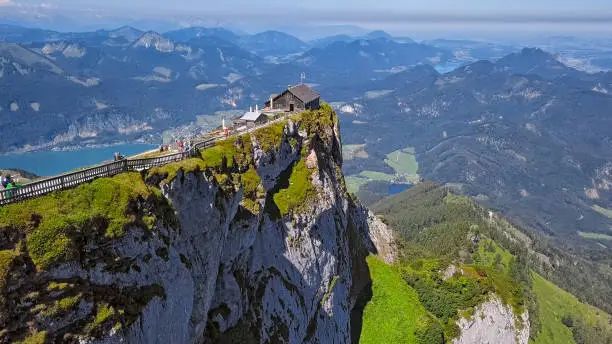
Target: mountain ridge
x,y
279,256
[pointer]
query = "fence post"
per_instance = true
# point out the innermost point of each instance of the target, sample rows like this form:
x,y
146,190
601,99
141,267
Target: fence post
x,y
124,164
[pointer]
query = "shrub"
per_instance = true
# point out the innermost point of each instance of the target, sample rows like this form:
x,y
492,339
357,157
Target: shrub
x,y
429,331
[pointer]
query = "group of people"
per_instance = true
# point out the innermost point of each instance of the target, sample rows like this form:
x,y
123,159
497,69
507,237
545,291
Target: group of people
x,y
8,182
118,156
183,146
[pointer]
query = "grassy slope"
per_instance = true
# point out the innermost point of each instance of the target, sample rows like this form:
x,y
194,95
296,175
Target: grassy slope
x,y
62,213
554,303
595,236
439,223
603,211
392,314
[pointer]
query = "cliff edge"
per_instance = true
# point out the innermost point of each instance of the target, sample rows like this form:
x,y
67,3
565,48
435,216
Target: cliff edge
x,y
257,241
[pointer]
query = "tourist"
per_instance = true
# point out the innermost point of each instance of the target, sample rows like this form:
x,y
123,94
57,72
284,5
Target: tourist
x,y
11,185
6,180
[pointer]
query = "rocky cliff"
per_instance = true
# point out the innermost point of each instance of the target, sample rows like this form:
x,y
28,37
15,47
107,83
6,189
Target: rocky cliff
x,y
494,322
257,241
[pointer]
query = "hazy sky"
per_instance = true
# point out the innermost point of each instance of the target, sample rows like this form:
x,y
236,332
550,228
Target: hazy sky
x,y
446,7
406,15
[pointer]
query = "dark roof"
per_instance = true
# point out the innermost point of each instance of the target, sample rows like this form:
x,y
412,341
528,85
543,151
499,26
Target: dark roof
x,y
304,93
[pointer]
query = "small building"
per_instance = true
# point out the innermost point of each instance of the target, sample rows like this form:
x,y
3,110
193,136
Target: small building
x,y
251,118
296,98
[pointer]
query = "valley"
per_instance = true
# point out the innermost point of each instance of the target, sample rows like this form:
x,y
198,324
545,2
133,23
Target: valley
x,y
441,274
456,191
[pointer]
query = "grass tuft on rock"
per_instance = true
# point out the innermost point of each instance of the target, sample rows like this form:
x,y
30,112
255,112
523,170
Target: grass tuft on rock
x,y
105,311
171,170
319,121
270,137
330,290
236,150
300,193
62,306
50,220
253,189
35,338
6,258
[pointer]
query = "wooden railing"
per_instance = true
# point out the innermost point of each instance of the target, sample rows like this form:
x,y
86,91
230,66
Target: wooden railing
x,y
73,179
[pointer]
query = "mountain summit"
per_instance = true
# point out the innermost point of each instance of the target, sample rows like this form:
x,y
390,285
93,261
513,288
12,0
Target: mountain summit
x,y
151,39
535,61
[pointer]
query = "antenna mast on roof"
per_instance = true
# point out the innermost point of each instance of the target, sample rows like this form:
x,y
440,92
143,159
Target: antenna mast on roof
x,y
302,77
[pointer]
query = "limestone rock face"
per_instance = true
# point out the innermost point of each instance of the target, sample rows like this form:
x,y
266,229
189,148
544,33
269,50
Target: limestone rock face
x,y
258,277
220,271
494,323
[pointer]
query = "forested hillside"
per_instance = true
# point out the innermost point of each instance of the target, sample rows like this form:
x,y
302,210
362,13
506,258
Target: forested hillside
x,y
453,255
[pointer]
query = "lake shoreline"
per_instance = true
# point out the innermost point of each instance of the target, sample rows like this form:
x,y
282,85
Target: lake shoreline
x,y
54,162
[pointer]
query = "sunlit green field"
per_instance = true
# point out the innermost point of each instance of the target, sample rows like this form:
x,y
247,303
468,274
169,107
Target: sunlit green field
x,y
403,161
554,304
392,314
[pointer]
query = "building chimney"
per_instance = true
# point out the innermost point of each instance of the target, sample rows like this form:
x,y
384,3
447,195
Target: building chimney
x,y
251,108
271,102
256,107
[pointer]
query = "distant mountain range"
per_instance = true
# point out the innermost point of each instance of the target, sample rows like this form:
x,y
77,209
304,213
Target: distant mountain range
x,y
74,89
527,135
497,130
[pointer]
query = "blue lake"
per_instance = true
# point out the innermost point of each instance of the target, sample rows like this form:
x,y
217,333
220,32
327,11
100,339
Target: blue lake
x,y
447,67
394,189
49,163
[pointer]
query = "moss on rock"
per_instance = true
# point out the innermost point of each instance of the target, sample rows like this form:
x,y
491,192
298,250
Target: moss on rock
x,y
270,137
50,220
35,338
330,290
6,258
253,190
62,306
171,170
300,192
319,121
232,153
105,311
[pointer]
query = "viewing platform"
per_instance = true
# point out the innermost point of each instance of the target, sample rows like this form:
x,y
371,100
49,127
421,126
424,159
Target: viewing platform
x,y
252,121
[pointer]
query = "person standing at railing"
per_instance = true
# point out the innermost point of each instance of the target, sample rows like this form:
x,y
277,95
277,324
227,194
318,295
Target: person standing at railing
x,y
6,180
10,189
